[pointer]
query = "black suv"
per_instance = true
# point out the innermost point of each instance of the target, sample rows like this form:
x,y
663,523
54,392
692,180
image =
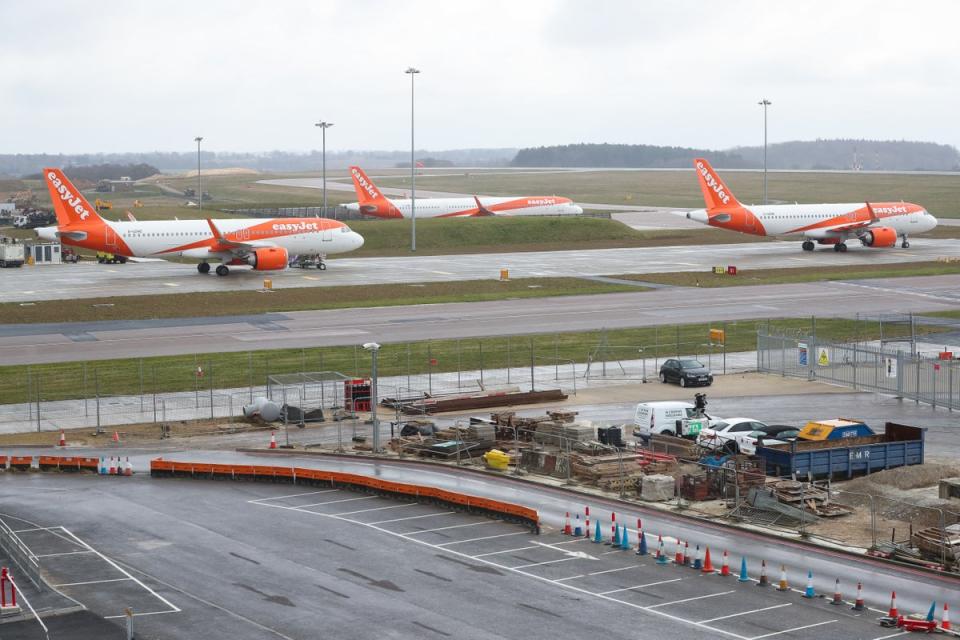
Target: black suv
x,y
686,372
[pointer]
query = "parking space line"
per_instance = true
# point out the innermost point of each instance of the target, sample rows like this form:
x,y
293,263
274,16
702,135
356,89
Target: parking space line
x,y
633,566
35,529
121,570
537,564
746,613
806,626
892,635
137,615
428,515
711,595
63,553
294,495
496,553
640,586
320,504
396,506
502,535
77,584
454,526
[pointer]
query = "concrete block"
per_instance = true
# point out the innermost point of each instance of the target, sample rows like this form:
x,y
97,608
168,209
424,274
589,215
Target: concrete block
x,y
657,488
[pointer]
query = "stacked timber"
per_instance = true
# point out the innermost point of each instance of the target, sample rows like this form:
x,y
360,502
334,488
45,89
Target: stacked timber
x,y
561,433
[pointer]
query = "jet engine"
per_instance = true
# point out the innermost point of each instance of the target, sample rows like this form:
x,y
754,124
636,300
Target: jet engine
x,y
268,259
879,237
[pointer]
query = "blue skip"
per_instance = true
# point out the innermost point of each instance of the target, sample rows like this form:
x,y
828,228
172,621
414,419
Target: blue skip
x,y
642,546
743,570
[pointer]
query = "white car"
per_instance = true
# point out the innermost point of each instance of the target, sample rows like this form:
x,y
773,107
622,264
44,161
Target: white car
x,y
735,435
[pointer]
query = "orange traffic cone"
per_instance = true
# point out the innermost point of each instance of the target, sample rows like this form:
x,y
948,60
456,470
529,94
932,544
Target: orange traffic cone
x,y
113,468
116,438
128,468
893,613
725,567
567,529
63,439
707,565
678,554
273,440
837,598
945,622
763,574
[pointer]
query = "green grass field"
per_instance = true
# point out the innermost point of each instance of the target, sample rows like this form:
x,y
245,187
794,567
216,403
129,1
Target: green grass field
x,y
791,275
226,370
298,299
940,194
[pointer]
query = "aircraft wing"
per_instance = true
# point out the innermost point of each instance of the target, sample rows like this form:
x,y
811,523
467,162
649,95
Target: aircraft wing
x,y
226,245
856,225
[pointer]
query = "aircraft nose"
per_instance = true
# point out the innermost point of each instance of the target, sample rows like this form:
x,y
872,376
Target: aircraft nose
x,y
357,239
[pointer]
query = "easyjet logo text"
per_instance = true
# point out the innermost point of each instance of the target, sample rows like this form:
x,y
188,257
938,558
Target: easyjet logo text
x,y
365,184
890,210
541,202
296,226
713,183
75,202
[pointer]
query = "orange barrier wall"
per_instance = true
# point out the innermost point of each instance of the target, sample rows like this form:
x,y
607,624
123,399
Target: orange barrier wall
x,y
51,463
296,475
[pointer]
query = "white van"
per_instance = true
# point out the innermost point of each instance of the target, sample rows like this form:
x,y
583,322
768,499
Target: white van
x,y
660,418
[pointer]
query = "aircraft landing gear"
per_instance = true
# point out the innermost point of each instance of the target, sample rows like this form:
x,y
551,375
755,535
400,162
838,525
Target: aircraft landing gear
x,y
840,247
808,245
203,267
904,244
222,270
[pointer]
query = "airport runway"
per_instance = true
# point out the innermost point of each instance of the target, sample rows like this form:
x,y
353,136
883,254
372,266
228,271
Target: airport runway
x,y
253,560
37,343
87,279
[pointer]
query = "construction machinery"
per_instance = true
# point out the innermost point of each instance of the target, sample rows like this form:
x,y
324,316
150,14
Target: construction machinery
x,y
11,253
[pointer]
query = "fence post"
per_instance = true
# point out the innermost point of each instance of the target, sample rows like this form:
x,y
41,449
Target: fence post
x,y
532,365
950,386
783,356
38,404
459,361
86,409
480,342
724,352
210,371
916,360
429,368
508,359
899,374
556,357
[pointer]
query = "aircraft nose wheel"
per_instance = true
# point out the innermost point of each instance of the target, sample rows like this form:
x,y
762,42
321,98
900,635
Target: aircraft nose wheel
x,y
222,270
904,244
840,247
807,245
203,267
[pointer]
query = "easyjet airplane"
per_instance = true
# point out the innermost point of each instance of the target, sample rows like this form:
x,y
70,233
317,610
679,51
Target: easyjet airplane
x,y
374,203
875,224
264,244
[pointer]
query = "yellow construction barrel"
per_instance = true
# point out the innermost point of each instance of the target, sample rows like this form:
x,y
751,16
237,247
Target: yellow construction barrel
x,y
504,274
267,284
496,459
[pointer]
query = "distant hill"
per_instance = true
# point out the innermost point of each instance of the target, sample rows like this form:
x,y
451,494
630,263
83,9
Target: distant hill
x,y
278,161
621,155
871,155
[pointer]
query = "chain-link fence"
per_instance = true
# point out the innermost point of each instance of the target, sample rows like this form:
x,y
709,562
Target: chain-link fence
x,y
930,376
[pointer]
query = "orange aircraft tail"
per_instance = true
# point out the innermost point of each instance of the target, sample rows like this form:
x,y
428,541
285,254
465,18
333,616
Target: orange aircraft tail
x,y
366,190
69,205
716,194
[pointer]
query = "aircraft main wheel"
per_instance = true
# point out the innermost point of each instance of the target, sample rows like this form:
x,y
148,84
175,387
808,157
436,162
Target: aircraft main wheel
x,y
840,247
808,245
203,267
905,244
222,270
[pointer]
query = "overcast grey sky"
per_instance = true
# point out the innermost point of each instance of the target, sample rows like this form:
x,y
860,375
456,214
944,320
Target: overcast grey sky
x,y
91,75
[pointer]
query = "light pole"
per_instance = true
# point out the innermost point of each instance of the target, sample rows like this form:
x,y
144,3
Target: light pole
x,y
374,349
323,128
764,103
198,140
413,168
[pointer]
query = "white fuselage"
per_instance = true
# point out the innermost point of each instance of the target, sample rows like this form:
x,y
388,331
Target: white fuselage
x,y
816,221
455,207
195,239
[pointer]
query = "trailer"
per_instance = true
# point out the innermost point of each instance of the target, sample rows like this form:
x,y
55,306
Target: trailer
x,y
899,446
